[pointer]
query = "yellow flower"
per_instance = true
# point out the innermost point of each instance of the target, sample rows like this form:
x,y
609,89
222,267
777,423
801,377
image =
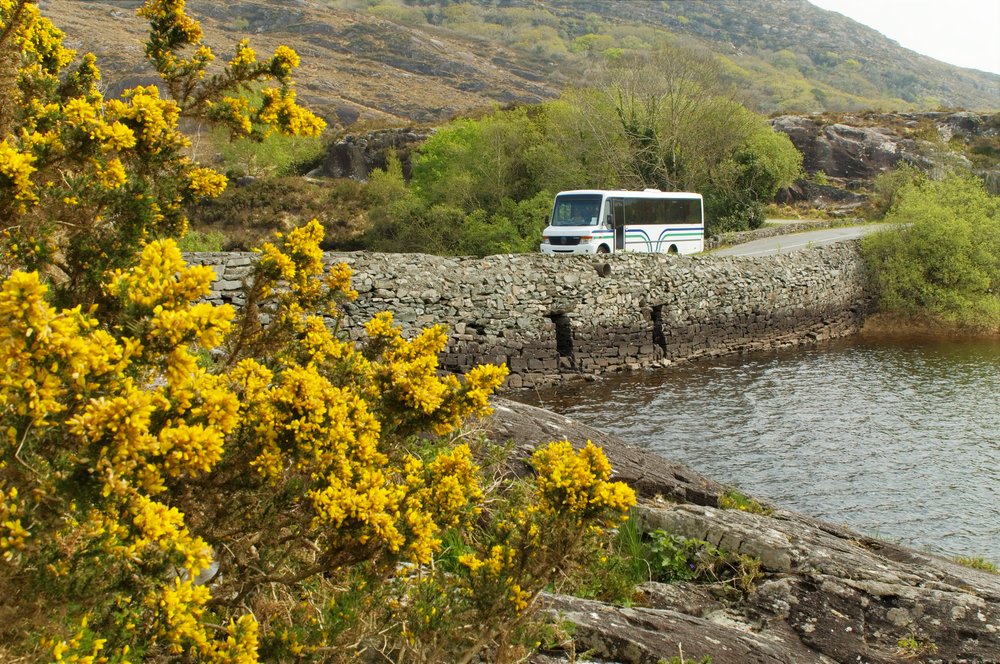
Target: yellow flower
x,y
112,175
577,483
244,55
17,168
471,561
206,182
116,136
284,61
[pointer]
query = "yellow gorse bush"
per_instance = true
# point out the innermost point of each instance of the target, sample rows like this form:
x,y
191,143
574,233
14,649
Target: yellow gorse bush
x,y
184,482
577,482
131,419
96,425
83,178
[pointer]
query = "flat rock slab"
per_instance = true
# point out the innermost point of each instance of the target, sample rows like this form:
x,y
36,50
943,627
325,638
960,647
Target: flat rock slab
x,y
828,595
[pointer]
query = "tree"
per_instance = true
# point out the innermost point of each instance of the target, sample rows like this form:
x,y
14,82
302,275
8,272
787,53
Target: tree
x,y
664,120
744,182
670,114
475,164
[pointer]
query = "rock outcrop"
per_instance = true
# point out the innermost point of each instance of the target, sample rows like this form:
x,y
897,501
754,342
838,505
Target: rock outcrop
x,y
844,151
828,595
852,150
356,156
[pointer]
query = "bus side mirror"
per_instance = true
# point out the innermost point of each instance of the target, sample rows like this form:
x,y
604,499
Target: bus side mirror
x,y
610,222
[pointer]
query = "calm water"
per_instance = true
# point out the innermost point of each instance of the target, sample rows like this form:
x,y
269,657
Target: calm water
x,y
899,441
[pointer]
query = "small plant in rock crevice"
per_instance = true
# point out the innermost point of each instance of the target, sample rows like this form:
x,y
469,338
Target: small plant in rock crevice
x,y
676,558
978,562
611,569
734,500
913,646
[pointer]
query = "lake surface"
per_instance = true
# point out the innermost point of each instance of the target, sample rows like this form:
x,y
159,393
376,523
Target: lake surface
x,y
900,440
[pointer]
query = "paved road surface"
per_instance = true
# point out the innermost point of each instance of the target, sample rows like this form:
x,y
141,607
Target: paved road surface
x,y
797,241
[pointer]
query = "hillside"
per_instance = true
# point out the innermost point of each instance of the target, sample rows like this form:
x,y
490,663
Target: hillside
x,y
424,61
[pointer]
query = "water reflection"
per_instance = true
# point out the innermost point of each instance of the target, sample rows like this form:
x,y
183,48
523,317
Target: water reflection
x,y
902,441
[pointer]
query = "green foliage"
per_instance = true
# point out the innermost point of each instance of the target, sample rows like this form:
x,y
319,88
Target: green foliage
x,y
942,259
681,659
676,558
742,184
610,571
665,120
475,164
889,185
274,156
734,500
469,195
484,185
915,647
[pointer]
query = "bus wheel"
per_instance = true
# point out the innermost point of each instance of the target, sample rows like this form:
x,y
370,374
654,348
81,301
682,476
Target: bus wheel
x,y
603,249
672,249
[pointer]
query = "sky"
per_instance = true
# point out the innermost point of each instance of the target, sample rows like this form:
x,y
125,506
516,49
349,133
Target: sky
x,y
960,32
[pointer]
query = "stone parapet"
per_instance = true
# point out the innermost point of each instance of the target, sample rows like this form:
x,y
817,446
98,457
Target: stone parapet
x,y
550,318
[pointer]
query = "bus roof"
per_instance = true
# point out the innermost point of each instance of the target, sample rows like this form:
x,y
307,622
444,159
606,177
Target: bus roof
x,y
620,193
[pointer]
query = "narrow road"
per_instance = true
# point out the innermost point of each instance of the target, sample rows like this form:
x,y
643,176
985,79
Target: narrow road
x,y
783,244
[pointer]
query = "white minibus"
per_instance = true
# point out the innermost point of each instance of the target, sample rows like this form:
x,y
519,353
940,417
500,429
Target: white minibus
x,y
589,221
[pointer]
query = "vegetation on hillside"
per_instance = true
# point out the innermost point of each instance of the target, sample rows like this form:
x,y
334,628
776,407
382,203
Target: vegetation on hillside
x,y
405,61
179,482
485,185
941,262
810,60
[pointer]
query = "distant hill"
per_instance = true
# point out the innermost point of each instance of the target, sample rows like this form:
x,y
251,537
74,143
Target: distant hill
x,y
425,61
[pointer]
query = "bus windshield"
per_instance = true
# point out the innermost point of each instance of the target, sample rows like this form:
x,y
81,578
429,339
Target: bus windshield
x,y
577,210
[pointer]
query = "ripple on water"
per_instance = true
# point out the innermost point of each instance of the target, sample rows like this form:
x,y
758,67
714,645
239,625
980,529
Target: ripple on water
x,y
898,441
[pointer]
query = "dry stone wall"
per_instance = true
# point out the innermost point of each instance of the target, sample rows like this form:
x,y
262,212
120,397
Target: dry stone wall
x,y
550,318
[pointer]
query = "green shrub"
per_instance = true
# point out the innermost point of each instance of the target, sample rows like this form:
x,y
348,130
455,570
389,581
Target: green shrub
x,y
274,156
610,571
202,241
941,260
887,188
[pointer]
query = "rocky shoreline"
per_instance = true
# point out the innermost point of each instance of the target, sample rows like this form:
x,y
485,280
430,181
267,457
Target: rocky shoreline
x,y
828,595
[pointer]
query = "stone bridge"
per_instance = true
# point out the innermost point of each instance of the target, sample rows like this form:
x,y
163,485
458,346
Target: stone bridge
x,y
550,318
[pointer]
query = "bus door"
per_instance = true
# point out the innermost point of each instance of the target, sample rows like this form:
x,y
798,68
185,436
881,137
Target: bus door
x,y
618,222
